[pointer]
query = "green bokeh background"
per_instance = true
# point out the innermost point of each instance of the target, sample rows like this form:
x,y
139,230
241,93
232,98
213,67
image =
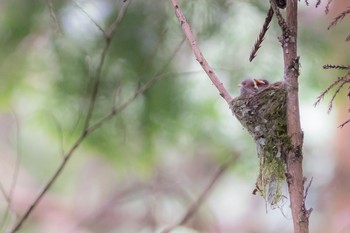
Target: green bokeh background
x,y
176,133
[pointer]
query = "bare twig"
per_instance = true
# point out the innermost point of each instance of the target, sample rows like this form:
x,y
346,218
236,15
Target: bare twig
x,y
139,91
342,125
4,194
308,187
199,201
49,184
53,16
8,208
90,18
197,52
339,18
307,2
108,38
308,211
8,202
327,6
318,3
15,172
84,134
261,36
86,130
91,129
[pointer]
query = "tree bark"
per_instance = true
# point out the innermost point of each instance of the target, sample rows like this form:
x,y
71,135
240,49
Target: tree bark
x,y
294,157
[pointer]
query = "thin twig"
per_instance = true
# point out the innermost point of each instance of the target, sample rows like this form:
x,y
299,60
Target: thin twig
x,y
199,201
108,38
308,187
86,129
195,206
49,184
327,7
90,18
339,18
318,3
197,52
4,194
307,2
308,211
139,91
8,202
15,172
53,16
342,125
330,105
261,36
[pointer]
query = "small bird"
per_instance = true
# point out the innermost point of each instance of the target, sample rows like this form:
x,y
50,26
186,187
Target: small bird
x,y
251,86
248,86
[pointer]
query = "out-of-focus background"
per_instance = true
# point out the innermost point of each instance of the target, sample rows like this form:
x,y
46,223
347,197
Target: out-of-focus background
x,y
142,170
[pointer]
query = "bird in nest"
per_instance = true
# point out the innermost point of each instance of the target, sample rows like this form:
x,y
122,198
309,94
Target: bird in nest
x,y
251,86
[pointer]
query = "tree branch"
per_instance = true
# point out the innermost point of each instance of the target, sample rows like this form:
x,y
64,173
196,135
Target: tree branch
x,y
294,157
90,130
14,177
199,201
108,35
197,52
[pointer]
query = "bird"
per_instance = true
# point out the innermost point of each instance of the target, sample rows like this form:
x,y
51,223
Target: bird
x,y
248,87
251,86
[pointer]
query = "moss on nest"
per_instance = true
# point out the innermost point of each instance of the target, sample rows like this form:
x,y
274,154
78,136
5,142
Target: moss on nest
x,y
264,115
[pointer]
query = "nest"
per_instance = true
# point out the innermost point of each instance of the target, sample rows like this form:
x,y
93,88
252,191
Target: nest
x,y
264,115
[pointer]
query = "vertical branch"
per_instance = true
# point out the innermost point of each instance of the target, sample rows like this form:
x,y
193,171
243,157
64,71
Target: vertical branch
x,y
294,156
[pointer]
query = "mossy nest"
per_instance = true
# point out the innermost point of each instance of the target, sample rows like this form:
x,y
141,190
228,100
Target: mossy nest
x,y
264,115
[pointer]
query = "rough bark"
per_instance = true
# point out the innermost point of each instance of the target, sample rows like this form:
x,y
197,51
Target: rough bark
x,y
294,158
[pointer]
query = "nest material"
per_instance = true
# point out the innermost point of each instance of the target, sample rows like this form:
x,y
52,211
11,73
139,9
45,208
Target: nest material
x,y
264,115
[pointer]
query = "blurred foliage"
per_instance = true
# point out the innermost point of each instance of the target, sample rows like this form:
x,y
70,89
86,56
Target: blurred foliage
x,y
47,76
59,69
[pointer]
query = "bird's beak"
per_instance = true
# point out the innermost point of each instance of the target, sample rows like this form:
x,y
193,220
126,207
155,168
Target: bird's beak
x,y
258,81
240,85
